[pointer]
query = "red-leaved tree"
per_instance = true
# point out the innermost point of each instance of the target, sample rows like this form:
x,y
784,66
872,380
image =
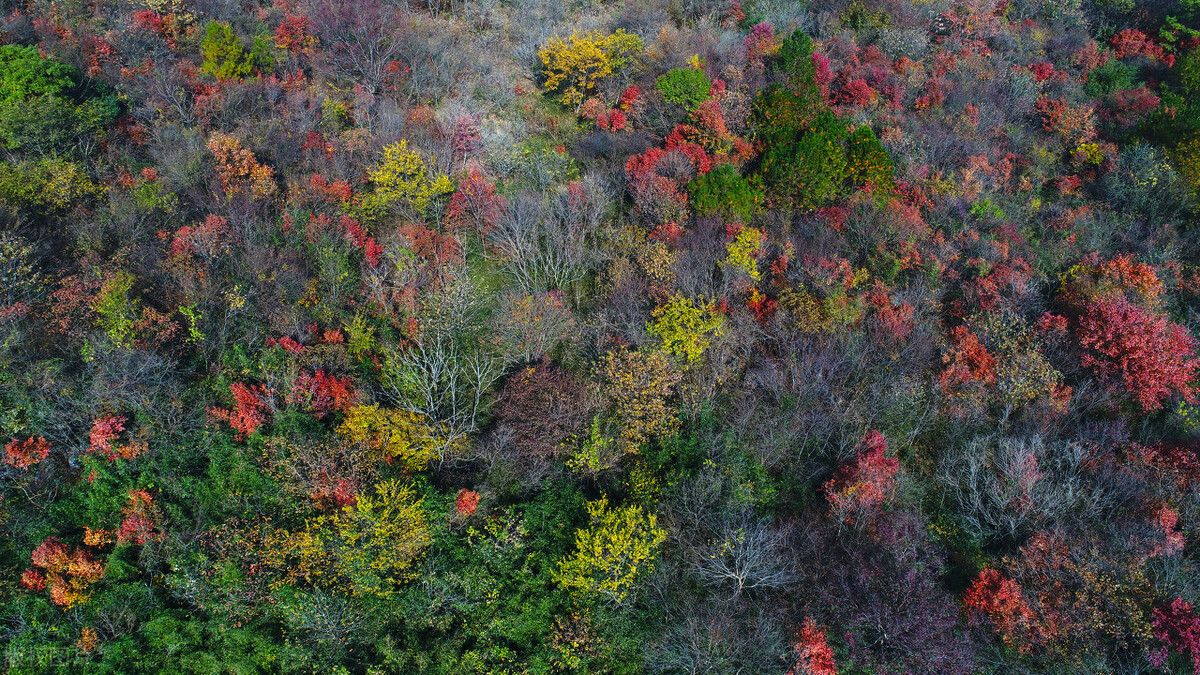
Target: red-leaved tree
x,y
1151,356
26,453
814,656
862,486
1000,601
1178,627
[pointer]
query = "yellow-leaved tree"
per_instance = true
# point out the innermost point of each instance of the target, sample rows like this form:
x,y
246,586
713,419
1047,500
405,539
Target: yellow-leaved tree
x,y
639,385
685,329
404,181
609,556
573,67
367,548
743,253
400,435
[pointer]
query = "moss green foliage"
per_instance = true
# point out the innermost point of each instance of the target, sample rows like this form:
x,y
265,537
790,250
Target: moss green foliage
x,y
687,87
725,193
24,74
47,106
810,157
225,57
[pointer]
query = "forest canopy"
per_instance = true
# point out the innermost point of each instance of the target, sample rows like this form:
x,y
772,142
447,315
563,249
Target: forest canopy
x,y
665,337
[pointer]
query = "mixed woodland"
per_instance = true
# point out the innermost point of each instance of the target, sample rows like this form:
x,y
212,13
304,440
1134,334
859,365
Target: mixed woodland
x,y
546,337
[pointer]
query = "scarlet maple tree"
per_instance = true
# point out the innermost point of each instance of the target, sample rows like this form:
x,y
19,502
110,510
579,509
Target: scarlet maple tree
x,y
26,453
860,487
249,409
1151,356
68,574
1000,600
814,656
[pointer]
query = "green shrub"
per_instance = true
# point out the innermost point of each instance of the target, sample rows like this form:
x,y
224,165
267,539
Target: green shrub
x,y
687,87
724,192
45,106
1112,76
226,59
24,74
810,157
808,167
869,162
1177,119
794,60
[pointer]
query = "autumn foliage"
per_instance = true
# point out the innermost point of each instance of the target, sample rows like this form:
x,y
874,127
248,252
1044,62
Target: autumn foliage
x,y
1151,357
647,337
68,574
26,453
862,486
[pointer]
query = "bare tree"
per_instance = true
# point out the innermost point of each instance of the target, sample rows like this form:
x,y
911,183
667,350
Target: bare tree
x,y
449,369
543,242
746,553
439,379
362,38
1006,487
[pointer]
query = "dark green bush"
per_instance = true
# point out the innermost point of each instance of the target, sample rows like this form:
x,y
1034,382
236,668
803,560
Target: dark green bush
x,y
1112,76
724,192
810,157
47,106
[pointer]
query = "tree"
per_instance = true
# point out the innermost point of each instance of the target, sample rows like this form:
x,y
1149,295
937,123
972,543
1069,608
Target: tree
x,y
810,156
403,180
1178,628
544,406
685,329
238,171
542,242
363,39
47,185
1005,488
1001,601
687,87
69,575
814,656
1151,356
744,552
639,385
322,393
400,435
573,67
250,408
366,549
862,486
441,382
222,53
26,453
723,192
47,106
743,251
610,555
